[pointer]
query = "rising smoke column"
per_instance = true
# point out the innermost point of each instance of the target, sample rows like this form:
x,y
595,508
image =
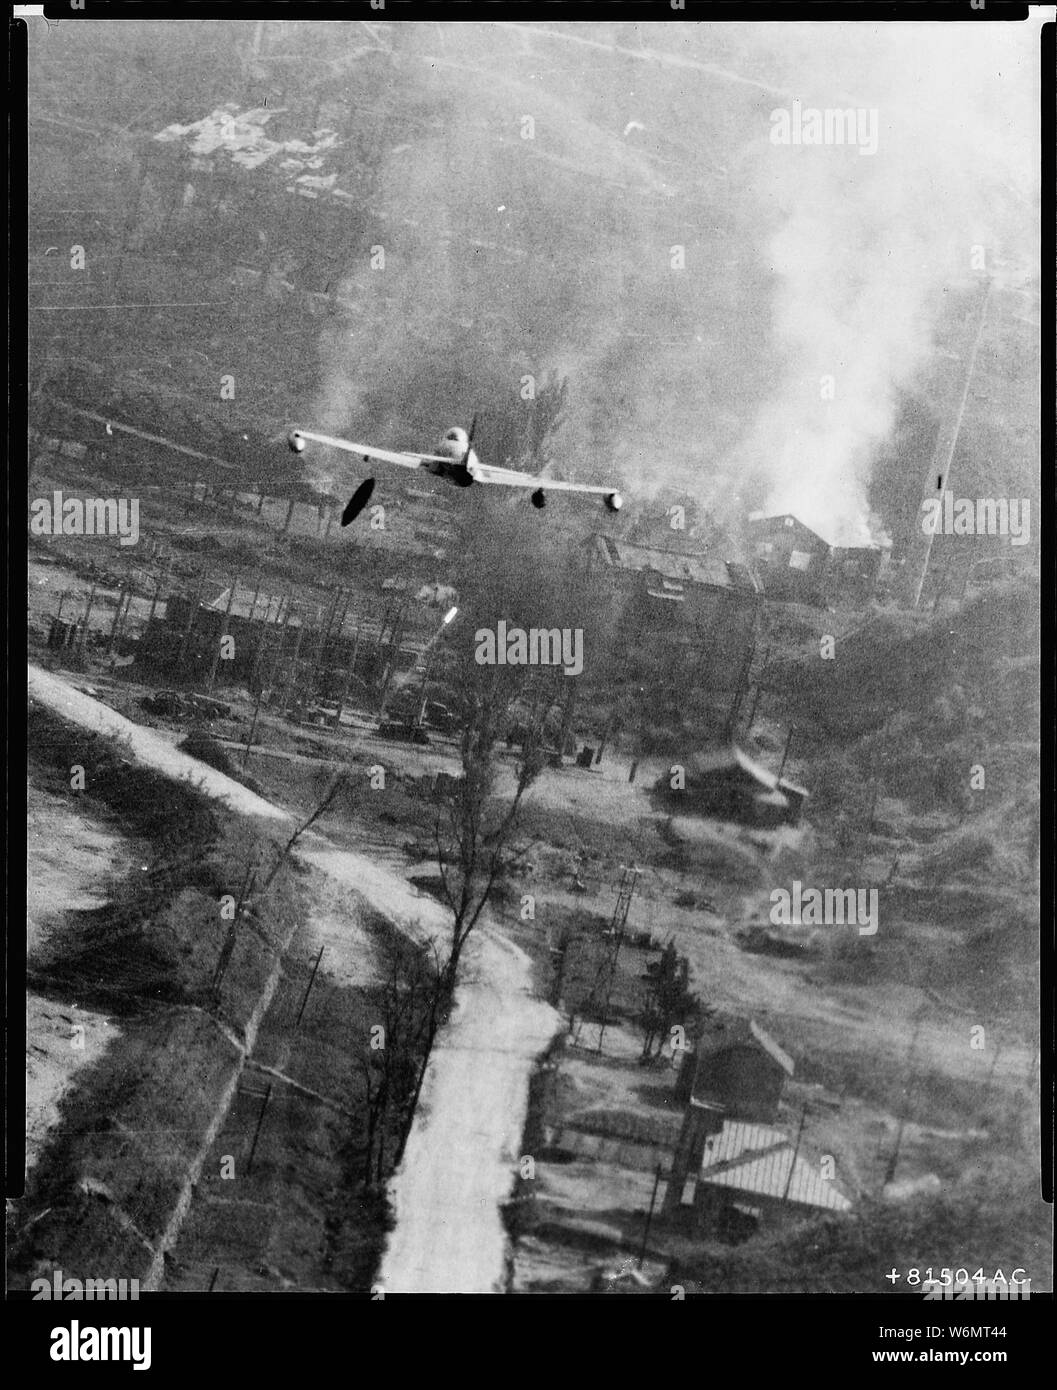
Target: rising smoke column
x,y
866,244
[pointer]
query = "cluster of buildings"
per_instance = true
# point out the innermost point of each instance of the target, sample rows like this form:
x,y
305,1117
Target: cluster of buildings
x,y
796,565
733,1167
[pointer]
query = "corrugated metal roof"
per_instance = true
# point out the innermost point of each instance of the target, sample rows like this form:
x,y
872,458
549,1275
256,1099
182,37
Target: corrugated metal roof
x,y
758,1160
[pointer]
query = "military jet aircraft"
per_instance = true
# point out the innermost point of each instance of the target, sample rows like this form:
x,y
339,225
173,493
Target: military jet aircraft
x,y
455,461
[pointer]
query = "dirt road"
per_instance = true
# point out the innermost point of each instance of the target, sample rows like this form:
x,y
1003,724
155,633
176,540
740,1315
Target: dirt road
x,y
71,704
461,1159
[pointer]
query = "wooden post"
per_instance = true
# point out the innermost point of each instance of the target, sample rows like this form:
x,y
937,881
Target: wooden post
x,y
122,620
890,1170
308,990
256,593
117,619
265,627
282,621
192,618
253,730
785,755
349,674
317,660
796,1153
87,616
756,692
223,633
610,722
947,438
257,1131
293,670
154,600
739,691
649,1215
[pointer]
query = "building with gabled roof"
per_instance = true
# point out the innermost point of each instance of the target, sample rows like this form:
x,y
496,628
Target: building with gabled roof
x,y
735,1071
726,782
748,1172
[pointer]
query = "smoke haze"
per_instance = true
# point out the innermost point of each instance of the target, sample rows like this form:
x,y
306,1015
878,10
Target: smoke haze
x,y
508,257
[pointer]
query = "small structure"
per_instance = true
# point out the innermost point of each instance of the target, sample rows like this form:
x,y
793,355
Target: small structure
x,y
797,565
697,613
736,1071
749,1172
853,572
730,785
735,1067
791,558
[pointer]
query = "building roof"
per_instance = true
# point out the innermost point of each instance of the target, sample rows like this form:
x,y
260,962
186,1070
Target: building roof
x,y
736,1033
674,568
731,758
760,1161
759,521
267,609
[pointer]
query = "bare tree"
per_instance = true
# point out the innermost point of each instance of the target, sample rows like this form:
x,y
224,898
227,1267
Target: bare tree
x,y
474,846
412,1006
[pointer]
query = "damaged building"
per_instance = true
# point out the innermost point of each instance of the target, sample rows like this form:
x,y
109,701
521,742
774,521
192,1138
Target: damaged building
x,y
796,565
288,651
700,610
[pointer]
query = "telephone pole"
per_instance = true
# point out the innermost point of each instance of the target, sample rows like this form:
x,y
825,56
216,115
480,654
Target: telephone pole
x,y
947,439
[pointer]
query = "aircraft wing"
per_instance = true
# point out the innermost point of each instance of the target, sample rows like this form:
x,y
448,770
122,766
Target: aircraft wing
x,y
367,451
507,477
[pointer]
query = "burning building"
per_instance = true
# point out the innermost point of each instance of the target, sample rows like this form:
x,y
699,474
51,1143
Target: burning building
x,y
796,565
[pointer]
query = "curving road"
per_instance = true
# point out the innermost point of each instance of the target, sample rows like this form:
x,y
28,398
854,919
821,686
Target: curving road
x,y
461,1158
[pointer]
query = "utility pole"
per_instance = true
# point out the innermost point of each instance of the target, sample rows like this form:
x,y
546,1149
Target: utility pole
x,y
154,601
308,989
282,622
256,593
223,634
349,674
257,1131
293,670
796,1153
192,618
740,688
114,624
649,1215
947,440
87,615
756,691
616,930
253,730
890,1171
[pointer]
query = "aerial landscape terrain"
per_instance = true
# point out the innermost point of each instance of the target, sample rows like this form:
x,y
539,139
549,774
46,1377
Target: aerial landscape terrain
x,y
615,872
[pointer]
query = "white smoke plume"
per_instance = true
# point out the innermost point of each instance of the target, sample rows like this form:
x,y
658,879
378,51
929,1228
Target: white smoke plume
x,y
803,262
868,243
